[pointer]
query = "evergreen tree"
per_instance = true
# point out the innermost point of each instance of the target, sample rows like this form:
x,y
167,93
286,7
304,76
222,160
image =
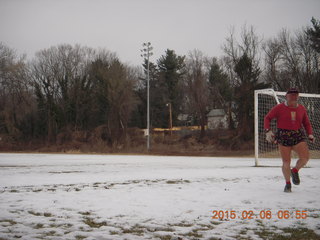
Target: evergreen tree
x,y
314,34
171,70
247,82
220,90
219,86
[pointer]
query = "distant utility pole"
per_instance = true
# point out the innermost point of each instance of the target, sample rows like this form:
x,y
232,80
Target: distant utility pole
x,y
146,53
170,117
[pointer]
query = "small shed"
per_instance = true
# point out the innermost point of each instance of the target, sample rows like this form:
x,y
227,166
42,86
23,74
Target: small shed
x,y
217,118
184,120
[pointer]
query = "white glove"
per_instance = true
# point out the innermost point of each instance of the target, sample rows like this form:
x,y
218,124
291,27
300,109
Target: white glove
x,y
270,136
311,138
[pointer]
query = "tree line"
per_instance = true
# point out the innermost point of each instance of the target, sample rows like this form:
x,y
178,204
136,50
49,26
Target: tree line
x,y
76,88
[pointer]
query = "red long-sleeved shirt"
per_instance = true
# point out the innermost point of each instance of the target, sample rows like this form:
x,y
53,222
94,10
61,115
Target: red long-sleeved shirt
x,y
288,118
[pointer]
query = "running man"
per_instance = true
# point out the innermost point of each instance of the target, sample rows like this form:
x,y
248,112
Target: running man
x,y
291,117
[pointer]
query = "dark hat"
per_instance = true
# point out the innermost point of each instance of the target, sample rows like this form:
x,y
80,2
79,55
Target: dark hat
x,y
293,90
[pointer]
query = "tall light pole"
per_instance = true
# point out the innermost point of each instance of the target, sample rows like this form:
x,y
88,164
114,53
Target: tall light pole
x,y
146,53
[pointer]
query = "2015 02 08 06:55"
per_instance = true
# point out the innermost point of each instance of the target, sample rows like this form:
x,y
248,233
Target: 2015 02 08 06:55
x,y
263,214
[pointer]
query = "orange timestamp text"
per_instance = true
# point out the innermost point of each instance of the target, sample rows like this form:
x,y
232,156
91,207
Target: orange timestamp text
x,y
263,214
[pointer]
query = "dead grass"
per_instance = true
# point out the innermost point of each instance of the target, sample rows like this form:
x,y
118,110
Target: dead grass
x,y
38,226
93,224
135,230
11,222
179,181
80,237
179,144
35,213
297,233
194,233
164,237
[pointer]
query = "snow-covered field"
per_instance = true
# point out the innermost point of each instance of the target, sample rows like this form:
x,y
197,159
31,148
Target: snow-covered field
x,y
47,196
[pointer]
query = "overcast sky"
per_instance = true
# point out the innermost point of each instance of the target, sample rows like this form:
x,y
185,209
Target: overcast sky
x,y
123,25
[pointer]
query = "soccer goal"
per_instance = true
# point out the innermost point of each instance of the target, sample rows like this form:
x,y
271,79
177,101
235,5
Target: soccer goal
x,y
264,100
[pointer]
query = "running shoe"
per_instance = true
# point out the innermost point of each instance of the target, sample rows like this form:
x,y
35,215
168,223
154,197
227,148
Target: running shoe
x,y
295,178
287,188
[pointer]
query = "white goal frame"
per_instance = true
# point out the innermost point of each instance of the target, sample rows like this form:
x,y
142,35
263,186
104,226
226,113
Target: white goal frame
x,y
257,131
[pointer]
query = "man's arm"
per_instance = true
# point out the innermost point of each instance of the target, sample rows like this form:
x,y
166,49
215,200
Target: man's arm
x,y
271,115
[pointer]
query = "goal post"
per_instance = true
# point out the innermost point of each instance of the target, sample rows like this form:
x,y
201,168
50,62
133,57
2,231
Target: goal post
x,y
264,100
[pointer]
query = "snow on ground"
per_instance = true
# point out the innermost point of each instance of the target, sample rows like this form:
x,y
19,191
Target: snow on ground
x,y
48,196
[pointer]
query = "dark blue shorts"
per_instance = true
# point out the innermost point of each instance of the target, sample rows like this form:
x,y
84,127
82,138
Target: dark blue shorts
x,y
289,138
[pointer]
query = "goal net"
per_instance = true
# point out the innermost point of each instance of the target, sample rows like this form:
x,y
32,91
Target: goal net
x,y
266,99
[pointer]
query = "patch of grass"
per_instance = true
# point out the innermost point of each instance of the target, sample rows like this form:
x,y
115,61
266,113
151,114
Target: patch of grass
x,y
51,189
215,222
161,229
80,237
260,222
36,190
181,224
51,233
165,229
114,232
171,182
194,233
244,231
314,215
155,181
96,184
202,229
135,230
300,233
47,214
87,213
11,222
53,225
38,226
91,223
177,181
163,237
288,234
124,183
14,191
207,227
65,172
265,234
15,212
34,213
68,225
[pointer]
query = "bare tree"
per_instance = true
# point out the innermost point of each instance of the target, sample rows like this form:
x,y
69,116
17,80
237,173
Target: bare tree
x,y
113,86
291,61
309,62
242,63
62,86
272,57
197,87
15,95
